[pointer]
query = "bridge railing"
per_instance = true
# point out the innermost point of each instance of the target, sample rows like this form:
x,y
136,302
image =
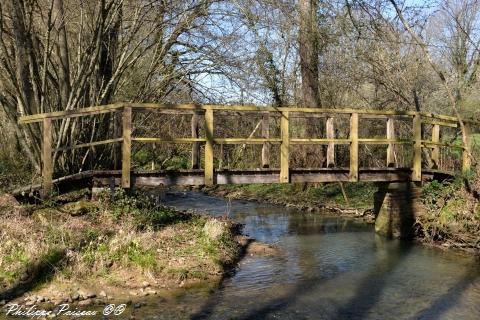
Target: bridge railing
x,y
284,140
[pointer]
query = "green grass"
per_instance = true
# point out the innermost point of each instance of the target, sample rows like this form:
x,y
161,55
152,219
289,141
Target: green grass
x,y
360,195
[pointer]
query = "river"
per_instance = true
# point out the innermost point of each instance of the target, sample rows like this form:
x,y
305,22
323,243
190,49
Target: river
x,y
330,268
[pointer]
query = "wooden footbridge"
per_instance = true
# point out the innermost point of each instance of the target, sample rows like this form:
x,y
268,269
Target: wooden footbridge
x,y
285,173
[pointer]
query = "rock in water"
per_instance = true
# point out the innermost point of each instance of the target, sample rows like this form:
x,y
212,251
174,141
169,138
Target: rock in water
x,y
215,229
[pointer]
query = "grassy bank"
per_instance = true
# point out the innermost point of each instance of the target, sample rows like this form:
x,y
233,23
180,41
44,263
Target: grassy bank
x,y
306,197
121,245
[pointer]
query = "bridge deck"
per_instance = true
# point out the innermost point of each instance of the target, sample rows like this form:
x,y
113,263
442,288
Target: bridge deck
x,y
110,178
196,177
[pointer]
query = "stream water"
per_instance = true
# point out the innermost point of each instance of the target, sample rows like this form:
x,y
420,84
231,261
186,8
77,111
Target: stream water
x,y
331,268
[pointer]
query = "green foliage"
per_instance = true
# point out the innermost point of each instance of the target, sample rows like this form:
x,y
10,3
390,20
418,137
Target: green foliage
x,y
434,191
176,163
16,257
158,217
124,203
359,194
141,257
143,158
141,208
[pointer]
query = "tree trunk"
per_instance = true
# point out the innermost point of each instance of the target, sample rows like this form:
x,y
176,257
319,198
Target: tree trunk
x,y
62,53
309,51
308,44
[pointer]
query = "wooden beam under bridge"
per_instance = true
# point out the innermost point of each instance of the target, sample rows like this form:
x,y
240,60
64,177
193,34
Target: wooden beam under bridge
x,y
221,177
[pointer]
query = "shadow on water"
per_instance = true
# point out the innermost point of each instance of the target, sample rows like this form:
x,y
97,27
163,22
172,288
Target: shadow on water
x,y
210,304
368,293
304,287
366,296
448,300
370,288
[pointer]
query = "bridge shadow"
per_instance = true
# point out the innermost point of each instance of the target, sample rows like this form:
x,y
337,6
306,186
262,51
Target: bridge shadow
x,y
209,306
366,296
371,287
448,300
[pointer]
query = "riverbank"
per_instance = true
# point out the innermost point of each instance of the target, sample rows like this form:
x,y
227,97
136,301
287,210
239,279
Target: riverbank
x,y
121,247
451,219
354,200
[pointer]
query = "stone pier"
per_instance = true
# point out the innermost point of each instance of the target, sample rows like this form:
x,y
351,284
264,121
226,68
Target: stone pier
x,y
396,205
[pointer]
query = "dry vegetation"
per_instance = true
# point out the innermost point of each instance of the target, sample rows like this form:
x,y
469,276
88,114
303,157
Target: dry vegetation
x,y
113,244
453,214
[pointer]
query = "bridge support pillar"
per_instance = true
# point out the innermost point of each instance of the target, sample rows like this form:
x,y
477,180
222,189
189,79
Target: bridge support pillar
x,y
396,205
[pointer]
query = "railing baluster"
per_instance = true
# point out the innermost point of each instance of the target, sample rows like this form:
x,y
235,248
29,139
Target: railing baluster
x,y
435,161
266,145
466,161
126,146
195,145
391,146
353,147
417,148
209,147
285,148
331,145
47,163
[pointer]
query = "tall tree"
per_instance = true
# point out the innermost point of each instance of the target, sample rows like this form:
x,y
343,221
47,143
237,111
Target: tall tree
x,y
309,51
309,57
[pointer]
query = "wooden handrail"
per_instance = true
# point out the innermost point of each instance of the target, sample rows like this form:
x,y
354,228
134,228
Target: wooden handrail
x,y
195,107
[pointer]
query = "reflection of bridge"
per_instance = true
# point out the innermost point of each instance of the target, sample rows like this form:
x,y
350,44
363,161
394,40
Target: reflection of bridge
x,y
284,174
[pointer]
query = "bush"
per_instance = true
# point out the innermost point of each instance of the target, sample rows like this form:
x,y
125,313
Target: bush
x,y
141,208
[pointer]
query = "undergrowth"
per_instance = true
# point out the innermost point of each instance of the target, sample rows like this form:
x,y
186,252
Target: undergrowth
x,y
122,236
452,214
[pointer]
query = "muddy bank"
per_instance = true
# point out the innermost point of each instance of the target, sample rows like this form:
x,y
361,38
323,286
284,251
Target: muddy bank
x,y
121,247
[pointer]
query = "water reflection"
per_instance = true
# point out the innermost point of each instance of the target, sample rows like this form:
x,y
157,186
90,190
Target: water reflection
x,y
332,268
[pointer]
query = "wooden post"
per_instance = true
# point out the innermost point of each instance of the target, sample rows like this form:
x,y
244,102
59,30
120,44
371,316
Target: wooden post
x,y
209,147
195,145
266,145
467,147
220,161
354,147
154,147
117,133
391,146
417,148
47,164
435,160
284,148
126,146
331,145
